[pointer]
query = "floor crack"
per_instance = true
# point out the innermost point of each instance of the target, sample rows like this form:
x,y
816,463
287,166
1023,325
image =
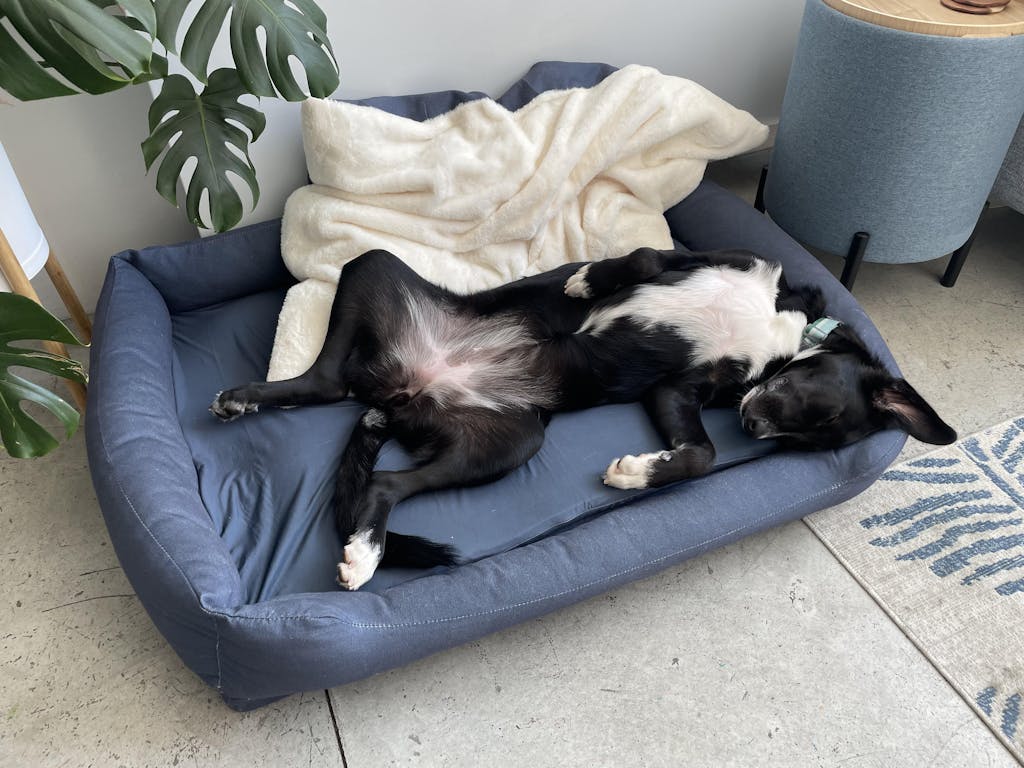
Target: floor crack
x,y
83,600
337,732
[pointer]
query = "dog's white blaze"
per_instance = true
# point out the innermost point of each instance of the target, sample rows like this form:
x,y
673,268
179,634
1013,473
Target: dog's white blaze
x,y
469,361
806,353
724,312
754,392
360,563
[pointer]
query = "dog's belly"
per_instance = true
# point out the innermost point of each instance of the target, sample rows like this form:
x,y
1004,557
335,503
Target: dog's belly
x,y
458,358
721,312
485,377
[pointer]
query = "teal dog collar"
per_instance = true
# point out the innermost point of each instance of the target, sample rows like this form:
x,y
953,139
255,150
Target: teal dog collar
x,y
816,332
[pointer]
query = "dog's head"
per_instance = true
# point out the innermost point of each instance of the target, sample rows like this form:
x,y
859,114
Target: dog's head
x,y
834,394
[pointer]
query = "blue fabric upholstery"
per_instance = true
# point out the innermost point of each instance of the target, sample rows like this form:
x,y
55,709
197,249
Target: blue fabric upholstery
x,y
226,536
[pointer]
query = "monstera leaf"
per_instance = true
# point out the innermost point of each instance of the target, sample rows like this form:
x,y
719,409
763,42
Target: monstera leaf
x,y
203,125
294,29
21,319
101,45
95,51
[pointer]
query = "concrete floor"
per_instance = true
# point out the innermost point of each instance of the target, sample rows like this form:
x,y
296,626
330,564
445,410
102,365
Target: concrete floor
x,y
765,652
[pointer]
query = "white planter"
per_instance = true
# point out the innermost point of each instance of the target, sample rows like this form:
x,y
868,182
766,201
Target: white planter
x,y
19,224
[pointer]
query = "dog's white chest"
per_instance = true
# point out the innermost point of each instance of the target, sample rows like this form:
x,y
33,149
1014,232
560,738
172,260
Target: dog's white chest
x,y
721,311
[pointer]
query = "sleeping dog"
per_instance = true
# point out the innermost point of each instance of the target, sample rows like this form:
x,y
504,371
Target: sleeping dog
x,y
467,383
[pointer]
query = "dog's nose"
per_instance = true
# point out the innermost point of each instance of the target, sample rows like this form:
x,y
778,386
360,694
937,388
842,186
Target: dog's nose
x,y
755,426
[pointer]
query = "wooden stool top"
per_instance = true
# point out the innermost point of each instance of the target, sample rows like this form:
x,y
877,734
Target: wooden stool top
x,y
930,17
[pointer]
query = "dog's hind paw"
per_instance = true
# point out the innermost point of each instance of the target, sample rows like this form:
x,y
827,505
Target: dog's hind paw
x,y
577,285
361,558
634,471
375,419
227,407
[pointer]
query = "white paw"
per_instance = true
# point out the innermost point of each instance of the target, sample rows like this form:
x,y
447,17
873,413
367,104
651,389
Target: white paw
x,y
360,563
633,471
227,408
577,285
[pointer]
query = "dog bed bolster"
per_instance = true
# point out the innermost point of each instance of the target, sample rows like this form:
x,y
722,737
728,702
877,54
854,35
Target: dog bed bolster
x,y
234,564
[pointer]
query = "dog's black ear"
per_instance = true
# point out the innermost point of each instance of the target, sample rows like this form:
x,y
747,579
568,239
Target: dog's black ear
x,y
814,300
911,413
803,298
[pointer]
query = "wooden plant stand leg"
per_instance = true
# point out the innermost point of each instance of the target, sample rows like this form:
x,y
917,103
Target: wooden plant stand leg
x,y
20,284
67,294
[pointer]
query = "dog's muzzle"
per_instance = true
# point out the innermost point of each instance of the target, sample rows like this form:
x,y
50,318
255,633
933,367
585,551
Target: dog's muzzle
x,y
757,427
755,422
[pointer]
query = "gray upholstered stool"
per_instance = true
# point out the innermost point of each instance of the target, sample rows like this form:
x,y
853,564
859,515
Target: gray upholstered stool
x,y
896,118
1009,186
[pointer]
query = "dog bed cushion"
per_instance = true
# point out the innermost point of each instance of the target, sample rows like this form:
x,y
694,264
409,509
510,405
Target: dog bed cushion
x,y
268,480
225,530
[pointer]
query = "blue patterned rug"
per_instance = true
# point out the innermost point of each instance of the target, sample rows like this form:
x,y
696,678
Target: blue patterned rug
x,y
939,542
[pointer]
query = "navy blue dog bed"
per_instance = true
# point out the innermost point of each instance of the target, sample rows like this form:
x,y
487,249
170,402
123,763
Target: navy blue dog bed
x,y
226,532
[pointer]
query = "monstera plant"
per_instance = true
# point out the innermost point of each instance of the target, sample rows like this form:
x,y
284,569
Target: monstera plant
x,y
21,319
58,47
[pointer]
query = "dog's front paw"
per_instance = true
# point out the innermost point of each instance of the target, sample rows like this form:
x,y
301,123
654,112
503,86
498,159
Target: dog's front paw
x,y
228,406
634,471
361,558
577,285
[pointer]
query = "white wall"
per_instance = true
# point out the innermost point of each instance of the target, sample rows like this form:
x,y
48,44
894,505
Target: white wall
x,y
83,171
79,163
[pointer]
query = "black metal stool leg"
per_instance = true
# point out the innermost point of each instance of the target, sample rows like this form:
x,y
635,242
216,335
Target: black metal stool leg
x,y
956,261
854,257
759,197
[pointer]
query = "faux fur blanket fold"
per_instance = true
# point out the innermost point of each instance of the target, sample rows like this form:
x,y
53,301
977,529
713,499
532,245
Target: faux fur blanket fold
x,y
480,195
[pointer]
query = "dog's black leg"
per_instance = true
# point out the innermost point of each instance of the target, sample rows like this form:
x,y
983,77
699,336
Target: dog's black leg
x,y
368,287
356,467
477,447
603,278
310,388
674,407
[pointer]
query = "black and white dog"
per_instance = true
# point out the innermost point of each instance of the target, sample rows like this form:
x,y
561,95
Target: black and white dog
x,y
467,383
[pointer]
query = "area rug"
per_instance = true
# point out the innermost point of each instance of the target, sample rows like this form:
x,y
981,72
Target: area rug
x,y
939,543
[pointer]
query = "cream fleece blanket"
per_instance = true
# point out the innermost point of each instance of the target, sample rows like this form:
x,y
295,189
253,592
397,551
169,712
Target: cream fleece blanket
x,y
480,196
